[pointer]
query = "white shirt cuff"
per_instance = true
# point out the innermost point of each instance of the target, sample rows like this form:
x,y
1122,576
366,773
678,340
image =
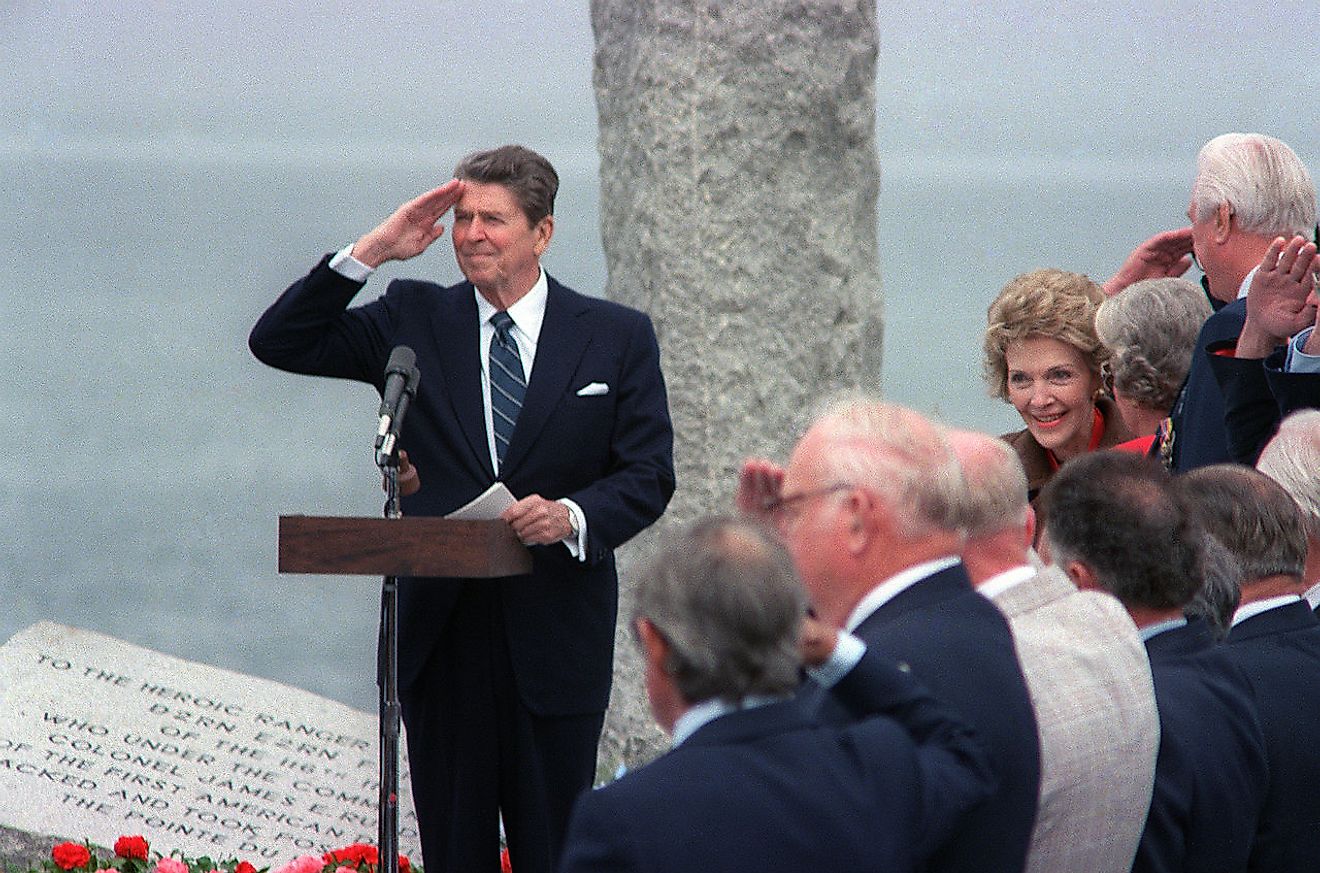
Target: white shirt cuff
x,y
1298,361
350,267
576,543
847,652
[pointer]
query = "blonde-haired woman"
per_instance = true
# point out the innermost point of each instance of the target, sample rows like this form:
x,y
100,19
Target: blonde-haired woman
x,y
1043,356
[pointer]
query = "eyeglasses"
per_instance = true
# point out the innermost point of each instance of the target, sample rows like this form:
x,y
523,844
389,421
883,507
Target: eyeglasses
x,y
780,506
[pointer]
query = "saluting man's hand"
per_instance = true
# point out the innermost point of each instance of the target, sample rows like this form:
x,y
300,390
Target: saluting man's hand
x,y
759,485
537,521
411,229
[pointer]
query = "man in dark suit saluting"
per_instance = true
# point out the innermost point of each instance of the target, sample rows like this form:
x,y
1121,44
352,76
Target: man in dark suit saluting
x,y
869,507
754,783
503,683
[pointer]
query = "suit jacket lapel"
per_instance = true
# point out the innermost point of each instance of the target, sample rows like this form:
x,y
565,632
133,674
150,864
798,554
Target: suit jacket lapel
x,y
563,339
459,349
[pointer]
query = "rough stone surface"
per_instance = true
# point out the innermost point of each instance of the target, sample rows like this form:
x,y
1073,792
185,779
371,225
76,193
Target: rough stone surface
x,y
739,183
102,739
20,849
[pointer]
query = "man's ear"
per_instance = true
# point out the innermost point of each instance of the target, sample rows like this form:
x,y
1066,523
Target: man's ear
x,y
655,648
1031,526
1082,576
868,514
1223,221
544,230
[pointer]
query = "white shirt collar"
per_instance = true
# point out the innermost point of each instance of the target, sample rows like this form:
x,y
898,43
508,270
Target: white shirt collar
x,y
1312,595
894,586
1255,608
527,313
1001,582
1246,282
708,710
1159,627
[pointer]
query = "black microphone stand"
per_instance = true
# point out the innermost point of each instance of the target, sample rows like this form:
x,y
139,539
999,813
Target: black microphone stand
x,y
390,710
387,459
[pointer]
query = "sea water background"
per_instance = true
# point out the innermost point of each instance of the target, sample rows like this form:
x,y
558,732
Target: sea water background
x,y
167,168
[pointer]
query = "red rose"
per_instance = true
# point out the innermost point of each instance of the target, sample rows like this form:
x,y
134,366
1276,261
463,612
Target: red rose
x,y
70,855
131,847
404,864
244,867
357,854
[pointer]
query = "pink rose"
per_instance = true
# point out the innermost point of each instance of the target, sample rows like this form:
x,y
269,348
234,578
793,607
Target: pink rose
x,y
171,865
303,864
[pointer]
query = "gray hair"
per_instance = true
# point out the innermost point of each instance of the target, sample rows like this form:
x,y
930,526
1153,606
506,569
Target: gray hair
x,y
995,496
1151,330
1261,178
724,596
1292,458
1220,591
528,176
898,454
1251,514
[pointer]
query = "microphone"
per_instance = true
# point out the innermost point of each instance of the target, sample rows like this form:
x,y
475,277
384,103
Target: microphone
x,y
386,452
401,378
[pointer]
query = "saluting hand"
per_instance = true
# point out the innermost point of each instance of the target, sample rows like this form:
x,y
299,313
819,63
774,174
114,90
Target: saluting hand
x,y
411,229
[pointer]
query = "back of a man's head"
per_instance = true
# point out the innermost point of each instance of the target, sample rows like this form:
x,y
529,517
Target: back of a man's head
x,y
993,511
898,454
1119,515
1221,590
1261,178
995,498
724,597
1292,458
1254,518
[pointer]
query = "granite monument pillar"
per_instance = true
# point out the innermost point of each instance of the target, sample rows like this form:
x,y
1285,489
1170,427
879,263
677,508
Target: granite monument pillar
x,y
739,182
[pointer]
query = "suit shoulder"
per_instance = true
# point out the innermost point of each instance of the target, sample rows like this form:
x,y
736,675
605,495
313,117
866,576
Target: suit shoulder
x,y
1224,324
599,306
414,290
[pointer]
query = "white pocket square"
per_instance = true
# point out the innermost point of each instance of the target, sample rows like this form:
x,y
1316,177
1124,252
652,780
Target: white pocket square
x,y
594,389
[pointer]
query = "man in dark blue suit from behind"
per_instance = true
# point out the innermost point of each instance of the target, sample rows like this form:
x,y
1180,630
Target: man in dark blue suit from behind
x,y
869,509
1275,639
753,783
1115,522
503,683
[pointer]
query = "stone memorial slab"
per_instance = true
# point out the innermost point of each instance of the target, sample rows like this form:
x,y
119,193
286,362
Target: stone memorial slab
x,y
101,738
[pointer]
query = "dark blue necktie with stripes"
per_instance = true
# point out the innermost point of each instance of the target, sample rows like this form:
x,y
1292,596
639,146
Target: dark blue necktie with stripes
x,y
508,385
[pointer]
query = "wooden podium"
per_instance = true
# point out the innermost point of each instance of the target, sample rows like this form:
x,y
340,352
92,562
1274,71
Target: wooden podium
x,y
409,546
390,548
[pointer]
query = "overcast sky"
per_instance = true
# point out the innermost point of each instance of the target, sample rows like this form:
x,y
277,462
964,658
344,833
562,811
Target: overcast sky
x,y
990,79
